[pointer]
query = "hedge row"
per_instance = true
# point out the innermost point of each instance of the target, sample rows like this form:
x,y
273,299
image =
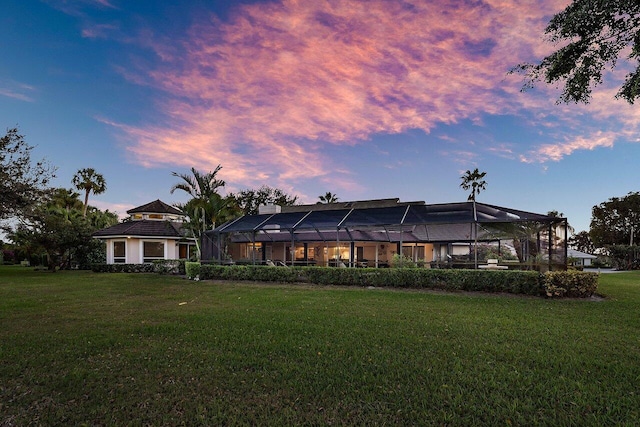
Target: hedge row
x,y
173,266
551,284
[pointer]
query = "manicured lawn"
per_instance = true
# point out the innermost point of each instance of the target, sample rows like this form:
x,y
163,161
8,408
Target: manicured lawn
x,y
117,349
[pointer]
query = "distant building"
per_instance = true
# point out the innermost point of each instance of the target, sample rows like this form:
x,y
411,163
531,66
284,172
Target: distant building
x,y
580,259
154,232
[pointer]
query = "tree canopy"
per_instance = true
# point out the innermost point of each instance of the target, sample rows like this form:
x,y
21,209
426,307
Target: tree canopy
x,y
473,181
328,197
593,35
22,182
614,221
88,180
249,200
206,206
56,227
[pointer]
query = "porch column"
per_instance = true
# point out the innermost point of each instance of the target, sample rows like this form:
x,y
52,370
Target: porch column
x,y
352,249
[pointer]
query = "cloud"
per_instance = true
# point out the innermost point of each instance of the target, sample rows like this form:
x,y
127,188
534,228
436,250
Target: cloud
x,y
95,31
16,90
265,91
556,152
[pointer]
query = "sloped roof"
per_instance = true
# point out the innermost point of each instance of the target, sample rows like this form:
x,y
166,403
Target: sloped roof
x,y
157,206
142,228
319,218
572,253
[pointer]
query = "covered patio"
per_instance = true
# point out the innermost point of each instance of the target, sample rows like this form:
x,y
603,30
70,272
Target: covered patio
x,y
370,233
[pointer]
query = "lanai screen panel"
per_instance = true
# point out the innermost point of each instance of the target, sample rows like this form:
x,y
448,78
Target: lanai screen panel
x,y
444,214
374,217
323,220
243,224
282,221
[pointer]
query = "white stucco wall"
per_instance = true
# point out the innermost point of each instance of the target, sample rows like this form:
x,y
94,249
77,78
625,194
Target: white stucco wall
x,y
134,249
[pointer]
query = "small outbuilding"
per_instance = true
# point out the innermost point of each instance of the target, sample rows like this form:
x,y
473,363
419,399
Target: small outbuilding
x,y
153,232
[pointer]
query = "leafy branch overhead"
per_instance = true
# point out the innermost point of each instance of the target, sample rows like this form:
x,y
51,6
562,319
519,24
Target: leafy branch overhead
x,y
594,35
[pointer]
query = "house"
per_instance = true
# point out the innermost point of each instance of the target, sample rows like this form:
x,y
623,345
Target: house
x,y
580,259
370,233
153,232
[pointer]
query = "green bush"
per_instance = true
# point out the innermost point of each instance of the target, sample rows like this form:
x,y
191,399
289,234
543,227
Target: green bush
x,y
401,261
192,270
572,283
550,284
123,268
170,266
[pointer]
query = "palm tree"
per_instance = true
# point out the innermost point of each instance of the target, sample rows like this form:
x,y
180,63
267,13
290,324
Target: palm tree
x,y
329,197
90,181
206,205
202,187
473,181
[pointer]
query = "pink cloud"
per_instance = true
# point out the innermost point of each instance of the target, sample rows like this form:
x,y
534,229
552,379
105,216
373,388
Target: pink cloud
x,y
16,90
556,152
265,91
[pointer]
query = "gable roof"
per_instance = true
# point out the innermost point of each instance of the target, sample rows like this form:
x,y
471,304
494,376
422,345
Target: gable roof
x,y
157,206
143,228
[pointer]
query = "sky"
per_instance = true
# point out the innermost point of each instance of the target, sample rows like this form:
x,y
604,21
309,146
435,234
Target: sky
x,y
366,99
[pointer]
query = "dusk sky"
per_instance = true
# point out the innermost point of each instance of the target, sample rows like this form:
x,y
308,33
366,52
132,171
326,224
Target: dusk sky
x,y
367,99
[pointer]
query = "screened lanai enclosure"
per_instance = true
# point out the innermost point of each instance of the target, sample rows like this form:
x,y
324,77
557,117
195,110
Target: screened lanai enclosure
x,y
375,233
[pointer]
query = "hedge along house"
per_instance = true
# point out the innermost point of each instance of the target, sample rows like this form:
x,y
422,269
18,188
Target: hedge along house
x,y
154,232
369,234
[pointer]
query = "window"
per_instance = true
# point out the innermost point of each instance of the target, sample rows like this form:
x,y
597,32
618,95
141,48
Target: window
x,y
119,252
156,216
152,250
187,251
407,251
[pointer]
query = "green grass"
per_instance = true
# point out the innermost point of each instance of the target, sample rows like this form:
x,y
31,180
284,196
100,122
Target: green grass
x,y
78,348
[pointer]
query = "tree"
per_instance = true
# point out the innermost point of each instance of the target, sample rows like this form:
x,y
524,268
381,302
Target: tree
x,y
88,180
616,221
249,200
56,227
473,181
22,183
206,206
218,208
203,189
593,35
329,197
582,242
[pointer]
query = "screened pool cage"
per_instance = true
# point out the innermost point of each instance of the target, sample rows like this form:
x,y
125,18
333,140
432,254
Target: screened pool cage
x,y
376,233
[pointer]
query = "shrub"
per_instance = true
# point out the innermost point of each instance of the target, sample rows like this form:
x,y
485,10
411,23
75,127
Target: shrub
x,y
519,282
169,266
401,261
550,284
123,268
192,270
570,283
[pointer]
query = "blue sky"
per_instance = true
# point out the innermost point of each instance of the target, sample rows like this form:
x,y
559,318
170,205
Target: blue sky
x,y
367,100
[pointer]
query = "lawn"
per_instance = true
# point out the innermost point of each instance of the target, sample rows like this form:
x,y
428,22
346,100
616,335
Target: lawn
x,y
80,348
